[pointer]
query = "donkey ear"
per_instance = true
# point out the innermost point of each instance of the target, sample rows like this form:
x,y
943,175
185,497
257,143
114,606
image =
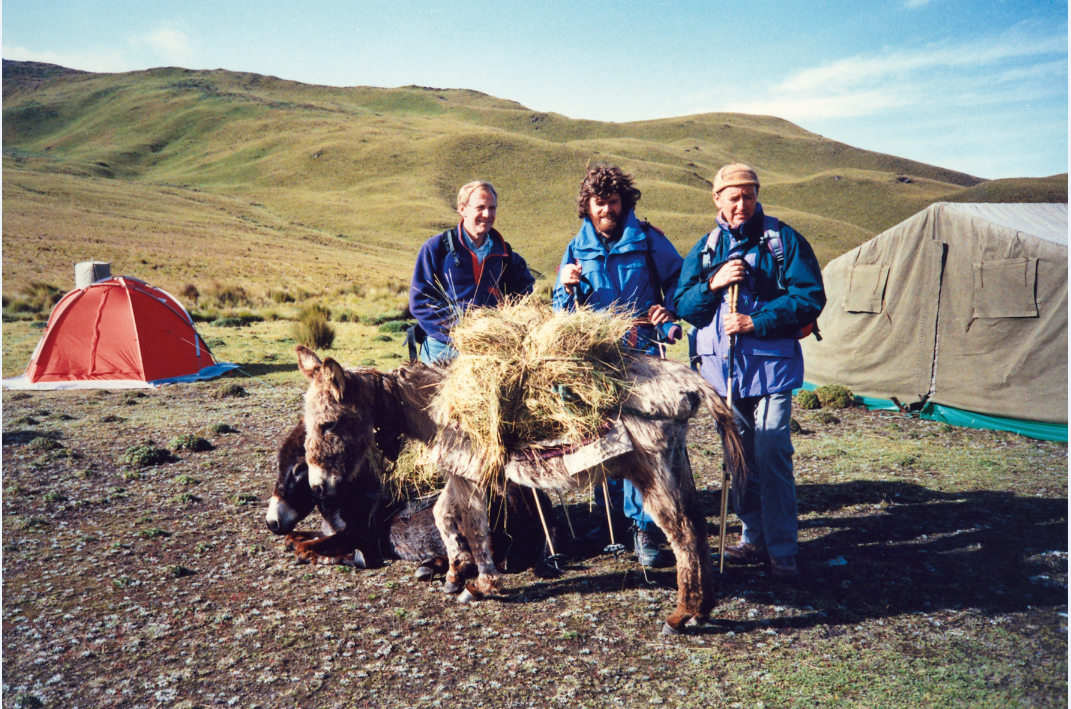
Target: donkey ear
x,y
307,361
334,378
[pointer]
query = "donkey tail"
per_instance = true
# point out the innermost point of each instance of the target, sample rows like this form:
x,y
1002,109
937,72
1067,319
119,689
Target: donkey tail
x,y
731,442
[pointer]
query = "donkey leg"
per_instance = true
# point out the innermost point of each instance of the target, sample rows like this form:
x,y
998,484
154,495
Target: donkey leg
x,y
449,512
661,471
475,526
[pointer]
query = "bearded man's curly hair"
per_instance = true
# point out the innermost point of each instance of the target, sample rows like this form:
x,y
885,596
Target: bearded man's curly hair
x,y
603,181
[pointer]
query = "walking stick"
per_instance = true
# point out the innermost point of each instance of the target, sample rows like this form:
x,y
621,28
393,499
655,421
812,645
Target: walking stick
x,y
555,558
734,292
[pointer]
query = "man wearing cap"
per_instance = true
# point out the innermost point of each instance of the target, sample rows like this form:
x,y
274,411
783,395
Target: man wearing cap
x,y
780,292
615,260
468,265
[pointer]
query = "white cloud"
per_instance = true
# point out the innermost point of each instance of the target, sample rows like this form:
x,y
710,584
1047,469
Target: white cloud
x,y
97,60
170,45
869,84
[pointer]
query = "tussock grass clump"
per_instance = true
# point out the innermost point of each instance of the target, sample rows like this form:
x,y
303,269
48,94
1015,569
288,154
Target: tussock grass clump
x,y
229,389
281,296
229,296
189,293
144,455
526,373
312,328
41,296
834,396
808,400
189,442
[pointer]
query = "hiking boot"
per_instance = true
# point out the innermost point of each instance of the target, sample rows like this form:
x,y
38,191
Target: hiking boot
x,y
646,550
744,553
784,567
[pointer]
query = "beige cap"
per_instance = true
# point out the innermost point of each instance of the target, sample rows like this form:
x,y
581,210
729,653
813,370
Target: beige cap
x,y
735,175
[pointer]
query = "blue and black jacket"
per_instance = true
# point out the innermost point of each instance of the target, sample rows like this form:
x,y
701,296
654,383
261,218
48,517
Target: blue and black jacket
x,y
448,279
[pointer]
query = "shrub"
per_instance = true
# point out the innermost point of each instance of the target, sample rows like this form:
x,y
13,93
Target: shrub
x,y
227,322
144,454
189,442
826,417
396,325
190,292
808,400
221,428
313,330
230,389
280,296
383,338
834,396
381,318
43,444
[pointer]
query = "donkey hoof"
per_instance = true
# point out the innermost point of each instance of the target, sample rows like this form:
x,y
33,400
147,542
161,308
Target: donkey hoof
x,y
668,629
423,573
359,560
452,586
469,595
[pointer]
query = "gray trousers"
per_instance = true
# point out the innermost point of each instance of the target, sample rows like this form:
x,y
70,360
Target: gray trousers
x,y
767,508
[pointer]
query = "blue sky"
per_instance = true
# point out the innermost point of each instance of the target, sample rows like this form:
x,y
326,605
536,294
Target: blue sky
x,y
978,86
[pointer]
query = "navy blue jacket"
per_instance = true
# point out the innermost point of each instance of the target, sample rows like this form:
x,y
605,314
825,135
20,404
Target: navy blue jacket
x,y
445,280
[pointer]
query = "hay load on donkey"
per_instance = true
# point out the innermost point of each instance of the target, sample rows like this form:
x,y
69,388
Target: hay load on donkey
x,y
554,401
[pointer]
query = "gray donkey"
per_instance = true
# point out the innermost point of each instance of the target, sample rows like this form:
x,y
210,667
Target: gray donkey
x,y
346,411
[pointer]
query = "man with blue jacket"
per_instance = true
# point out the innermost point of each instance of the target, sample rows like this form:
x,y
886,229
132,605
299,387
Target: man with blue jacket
x,y
615,260
468,265
780,294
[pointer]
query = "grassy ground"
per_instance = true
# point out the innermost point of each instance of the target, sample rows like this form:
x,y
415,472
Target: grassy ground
x,y
934,573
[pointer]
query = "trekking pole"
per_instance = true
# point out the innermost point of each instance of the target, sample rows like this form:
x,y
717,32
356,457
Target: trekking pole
x,y
734,292
614,547
567,518
555,557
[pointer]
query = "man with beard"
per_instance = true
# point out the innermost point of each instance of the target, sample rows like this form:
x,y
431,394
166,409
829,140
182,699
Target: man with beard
x,y
616,260
780,295
468,265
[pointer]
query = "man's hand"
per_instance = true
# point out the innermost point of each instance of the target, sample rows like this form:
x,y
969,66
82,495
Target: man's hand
x,y
570,276
738,324
730,272
658,315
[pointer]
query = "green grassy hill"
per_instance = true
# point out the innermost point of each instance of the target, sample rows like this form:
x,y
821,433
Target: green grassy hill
x,y
179,176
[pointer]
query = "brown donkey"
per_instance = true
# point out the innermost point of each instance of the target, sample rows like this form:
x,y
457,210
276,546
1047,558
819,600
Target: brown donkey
x,y
347,411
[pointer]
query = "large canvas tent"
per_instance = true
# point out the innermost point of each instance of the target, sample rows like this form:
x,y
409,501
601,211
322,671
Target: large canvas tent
x,y
960,312
118,333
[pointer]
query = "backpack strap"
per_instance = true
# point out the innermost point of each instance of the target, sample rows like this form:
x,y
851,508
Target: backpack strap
x,y
652,269
451,246
771,239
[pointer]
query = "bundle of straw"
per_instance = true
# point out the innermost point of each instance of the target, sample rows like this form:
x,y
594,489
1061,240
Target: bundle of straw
x,y
526,373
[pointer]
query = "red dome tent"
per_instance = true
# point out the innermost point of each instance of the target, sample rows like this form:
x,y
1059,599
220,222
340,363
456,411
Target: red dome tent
x,y
118,333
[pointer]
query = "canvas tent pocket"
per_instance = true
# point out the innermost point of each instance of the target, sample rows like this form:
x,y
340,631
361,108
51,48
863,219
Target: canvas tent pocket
x,y
1005,288
866,288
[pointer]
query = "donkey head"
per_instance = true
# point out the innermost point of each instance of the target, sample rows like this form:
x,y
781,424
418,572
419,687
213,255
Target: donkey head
x,y
339,422
292,499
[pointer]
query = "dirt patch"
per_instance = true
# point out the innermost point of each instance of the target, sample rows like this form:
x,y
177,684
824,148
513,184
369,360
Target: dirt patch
x,y
934,574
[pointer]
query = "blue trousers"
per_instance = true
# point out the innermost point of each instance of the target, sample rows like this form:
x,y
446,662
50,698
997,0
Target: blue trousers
x,y
432,351
767,508
625,497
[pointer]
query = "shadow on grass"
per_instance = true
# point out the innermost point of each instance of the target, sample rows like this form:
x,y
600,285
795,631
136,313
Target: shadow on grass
x,y
895,548
260,370
884,549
